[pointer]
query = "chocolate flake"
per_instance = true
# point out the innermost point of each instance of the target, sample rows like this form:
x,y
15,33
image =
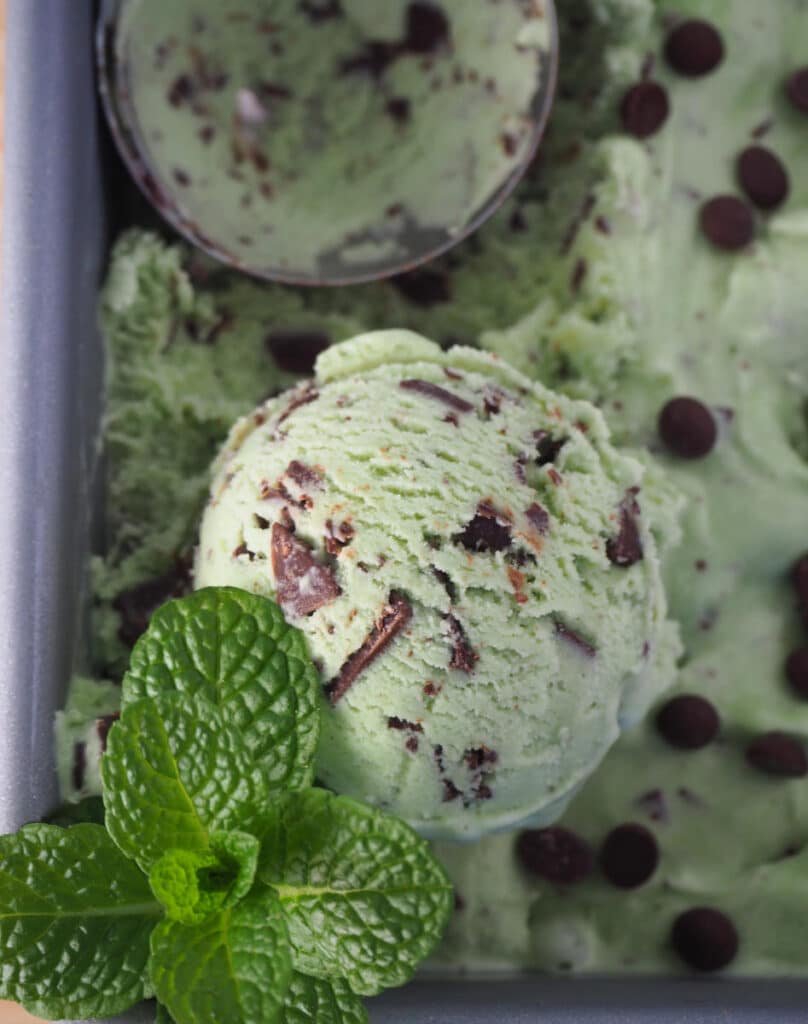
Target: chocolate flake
x,y
394,617
103,725
303,475
79,764
464,657
538,518
136,605
654,804
337,539
398,107
478,757
430,390
260,522
302,584
547,447
402,725
308,393
450,791
242,549
446,581
575,639
487,531
578,274
625,549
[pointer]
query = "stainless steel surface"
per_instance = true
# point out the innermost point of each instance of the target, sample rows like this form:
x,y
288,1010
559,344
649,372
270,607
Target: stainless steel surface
x,y
422,243
50,383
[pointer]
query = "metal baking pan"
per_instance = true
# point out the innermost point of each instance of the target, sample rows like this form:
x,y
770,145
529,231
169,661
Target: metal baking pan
x,y
61,204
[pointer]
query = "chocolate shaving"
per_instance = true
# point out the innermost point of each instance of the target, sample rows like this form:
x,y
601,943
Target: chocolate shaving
x,y
242,549
625,549
450,791
446,581
538,517
302,584
395,616
547,447
464,656
477,757
575,639
430,390
336,540
487,531
308,393
79,764
303,475
136,605
260,522
103,725
393,722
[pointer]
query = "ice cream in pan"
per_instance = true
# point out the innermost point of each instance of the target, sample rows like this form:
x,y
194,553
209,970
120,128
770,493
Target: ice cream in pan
x,y
654,263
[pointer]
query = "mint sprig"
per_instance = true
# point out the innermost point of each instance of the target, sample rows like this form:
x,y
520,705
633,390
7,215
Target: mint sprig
x,y
220,883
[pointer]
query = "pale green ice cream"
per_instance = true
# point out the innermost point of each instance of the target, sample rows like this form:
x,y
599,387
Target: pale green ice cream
x,y
481,515
596,280
332,139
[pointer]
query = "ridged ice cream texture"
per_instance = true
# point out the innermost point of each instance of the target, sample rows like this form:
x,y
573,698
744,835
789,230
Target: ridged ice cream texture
x,y
567,648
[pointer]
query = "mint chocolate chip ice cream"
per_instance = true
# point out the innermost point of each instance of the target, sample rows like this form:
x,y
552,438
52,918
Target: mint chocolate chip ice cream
x,y
332,140
472,564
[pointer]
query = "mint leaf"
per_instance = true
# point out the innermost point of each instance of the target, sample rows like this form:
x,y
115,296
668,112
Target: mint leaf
x,y
315,1001
75,918
162,1016
364,898
193,884
236,649
175,771
234,967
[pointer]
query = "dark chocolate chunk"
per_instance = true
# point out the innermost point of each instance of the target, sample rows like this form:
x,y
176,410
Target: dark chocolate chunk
x,y
394,617
103,725
694,48
242,549
478,757
446,582
430,390
689,722
575,639
79,764
425,286
136,605
705,938
629,856
338,537
181,89
398,107
777,753
296,350
303,475
547,447
797,89
555,854
644,109
625,549
464,656
762,177
427,28
538,517
402,725
799,578
687,427
797,672
487,531
302,585
450,791
727,222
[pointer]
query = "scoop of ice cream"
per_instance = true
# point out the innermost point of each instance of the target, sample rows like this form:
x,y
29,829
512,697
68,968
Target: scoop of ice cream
x,y
471,562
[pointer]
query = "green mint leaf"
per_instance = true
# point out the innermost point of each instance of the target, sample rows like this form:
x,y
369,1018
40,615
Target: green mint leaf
x,y
237,650
75,919
364,898
90,808
316,1001
162,1016
175,771
193,884
234,967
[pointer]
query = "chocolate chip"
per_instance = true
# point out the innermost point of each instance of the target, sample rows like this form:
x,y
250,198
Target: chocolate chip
x,y
398,107
424,287
412,744
450,791
727,222
547,447
337,538
302,396
260,522
79,764
103,725
555,854
625,549
538,517
296,350
181,89
694,48
705,938
797,89
762,177
430,390
644,109
629,856
303,475
402,725
427,28
687,427
136,605
478,757
302,585
688,722
799,578
464,657
394,617
485,532
575,639
777,753
797,672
